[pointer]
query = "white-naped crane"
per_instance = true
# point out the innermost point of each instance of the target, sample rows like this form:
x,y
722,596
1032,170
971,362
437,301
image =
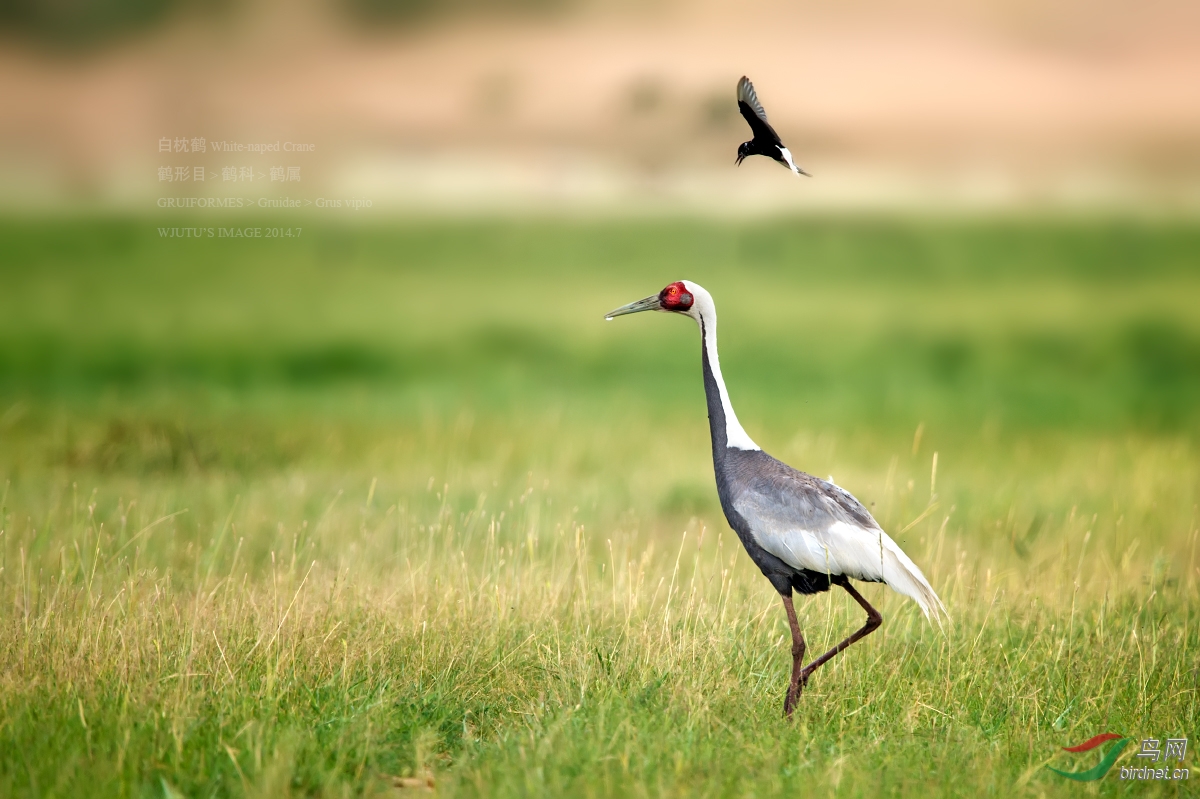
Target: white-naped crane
x,y
804,533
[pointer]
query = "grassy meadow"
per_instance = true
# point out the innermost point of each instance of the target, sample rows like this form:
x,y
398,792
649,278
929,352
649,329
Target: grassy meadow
x,y
389,506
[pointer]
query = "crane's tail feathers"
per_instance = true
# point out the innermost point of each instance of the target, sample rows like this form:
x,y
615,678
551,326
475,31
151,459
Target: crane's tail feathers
x,y
851,549
904,576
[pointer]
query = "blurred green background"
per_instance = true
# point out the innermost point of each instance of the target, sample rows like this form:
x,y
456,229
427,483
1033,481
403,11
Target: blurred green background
x,y
1005,326
1010,345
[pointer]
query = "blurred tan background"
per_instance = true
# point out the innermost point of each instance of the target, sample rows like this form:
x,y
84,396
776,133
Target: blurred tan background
x,y
468,106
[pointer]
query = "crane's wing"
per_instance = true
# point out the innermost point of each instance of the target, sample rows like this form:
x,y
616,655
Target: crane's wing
x,y
753,111
810,523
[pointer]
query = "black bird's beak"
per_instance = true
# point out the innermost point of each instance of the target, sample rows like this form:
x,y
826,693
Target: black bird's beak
x,y
651,303
739,159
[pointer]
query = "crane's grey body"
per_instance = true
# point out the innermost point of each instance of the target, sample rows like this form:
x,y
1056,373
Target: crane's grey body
x,y
805,534
750,481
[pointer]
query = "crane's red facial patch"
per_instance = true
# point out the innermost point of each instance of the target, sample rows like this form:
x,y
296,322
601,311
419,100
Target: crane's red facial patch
x,y
675,297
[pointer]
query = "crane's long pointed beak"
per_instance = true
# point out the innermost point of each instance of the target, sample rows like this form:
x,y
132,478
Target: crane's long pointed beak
x,y
651,303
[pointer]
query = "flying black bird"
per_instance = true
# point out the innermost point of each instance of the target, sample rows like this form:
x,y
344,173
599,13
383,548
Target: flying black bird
x,y
804,533
766,141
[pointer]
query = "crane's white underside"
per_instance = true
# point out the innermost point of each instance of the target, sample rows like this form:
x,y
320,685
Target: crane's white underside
x,y
838,548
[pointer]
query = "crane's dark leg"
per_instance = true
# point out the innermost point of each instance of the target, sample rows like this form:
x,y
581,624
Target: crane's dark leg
x,y
794,687
873,622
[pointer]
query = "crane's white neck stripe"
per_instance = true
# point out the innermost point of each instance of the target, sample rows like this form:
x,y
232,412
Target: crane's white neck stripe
x,y
704,311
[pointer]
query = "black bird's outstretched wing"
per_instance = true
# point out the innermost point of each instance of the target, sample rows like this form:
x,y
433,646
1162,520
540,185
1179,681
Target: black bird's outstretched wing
x,y
753,111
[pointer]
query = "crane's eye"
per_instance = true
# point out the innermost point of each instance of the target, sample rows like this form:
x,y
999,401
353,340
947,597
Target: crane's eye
x,y
676,297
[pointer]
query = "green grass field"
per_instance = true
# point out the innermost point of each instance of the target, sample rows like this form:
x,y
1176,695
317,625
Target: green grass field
x,y
305,517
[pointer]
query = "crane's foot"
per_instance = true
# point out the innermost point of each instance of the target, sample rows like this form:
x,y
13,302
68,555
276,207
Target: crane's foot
x,y
795,690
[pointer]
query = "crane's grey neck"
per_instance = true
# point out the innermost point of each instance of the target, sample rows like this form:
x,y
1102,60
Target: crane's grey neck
x,y
727,432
